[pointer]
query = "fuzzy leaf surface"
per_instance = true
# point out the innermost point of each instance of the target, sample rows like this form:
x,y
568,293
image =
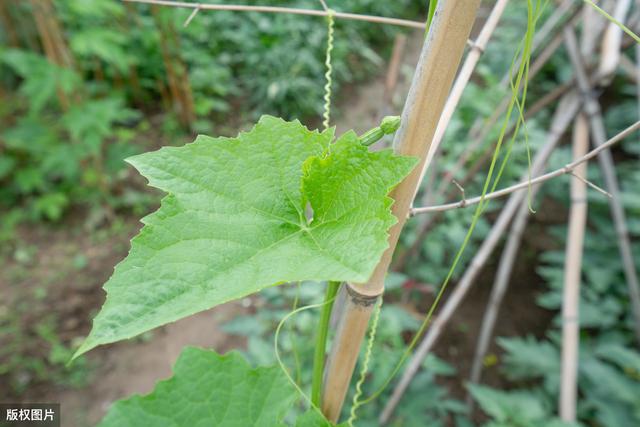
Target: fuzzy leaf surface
x,y
208,389
235,221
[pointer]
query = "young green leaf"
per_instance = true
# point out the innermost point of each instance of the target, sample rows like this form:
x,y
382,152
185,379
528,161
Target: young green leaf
x,y
236,221
208,389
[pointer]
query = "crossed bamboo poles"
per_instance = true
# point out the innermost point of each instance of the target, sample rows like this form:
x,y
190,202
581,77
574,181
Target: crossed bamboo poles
x,y
420,139
562,121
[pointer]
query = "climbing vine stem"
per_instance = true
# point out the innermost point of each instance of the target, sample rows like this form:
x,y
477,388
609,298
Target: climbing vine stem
x,y
328,75
321,342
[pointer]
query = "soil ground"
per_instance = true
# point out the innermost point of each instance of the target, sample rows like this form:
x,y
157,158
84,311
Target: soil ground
x,y
83,262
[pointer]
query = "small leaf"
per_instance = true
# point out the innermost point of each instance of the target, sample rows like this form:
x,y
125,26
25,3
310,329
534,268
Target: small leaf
x,y
208,389
235,221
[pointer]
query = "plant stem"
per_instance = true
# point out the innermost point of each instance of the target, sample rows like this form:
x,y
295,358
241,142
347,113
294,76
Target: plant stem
x,y
321,342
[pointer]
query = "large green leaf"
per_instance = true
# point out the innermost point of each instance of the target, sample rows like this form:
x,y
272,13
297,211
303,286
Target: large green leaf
x,y
236,220
208,389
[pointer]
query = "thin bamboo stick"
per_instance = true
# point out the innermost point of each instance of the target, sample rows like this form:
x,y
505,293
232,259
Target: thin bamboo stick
x,y
596,24
611,43
291,10
439,61
563,117
572,273
566,169
62,51
605,160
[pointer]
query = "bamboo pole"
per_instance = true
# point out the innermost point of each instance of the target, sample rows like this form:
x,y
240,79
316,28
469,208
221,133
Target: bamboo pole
x,y
572,273
563,117
470,62
291,10
611,43
439,61
605,160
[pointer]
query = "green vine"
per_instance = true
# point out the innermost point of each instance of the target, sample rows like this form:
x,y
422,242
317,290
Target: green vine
x,y
321,342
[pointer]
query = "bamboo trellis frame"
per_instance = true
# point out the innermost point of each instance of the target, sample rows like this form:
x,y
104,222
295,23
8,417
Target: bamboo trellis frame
x,y
596,122
415,136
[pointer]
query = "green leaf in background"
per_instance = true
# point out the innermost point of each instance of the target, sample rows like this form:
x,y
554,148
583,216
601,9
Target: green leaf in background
x,y
236,221
515,408
208,389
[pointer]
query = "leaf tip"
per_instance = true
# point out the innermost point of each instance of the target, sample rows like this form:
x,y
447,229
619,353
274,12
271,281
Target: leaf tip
x,y
87,344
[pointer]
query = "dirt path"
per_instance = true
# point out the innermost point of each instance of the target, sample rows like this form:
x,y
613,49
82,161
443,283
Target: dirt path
x,y
135,367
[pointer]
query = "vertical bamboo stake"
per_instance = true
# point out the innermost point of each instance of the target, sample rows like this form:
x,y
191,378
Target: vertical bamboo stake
x,y
393,71
611,43
439,60
564,115
470,62
605,160
572,270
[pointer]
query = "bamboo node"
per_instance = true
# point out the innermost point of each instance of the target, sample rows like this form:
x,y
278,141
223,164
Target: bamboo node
x,y
473,45
360,299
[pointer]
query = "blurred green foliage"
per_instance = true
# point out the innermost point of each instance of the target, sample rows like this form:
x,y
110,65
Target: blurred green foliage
x,y
239,66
